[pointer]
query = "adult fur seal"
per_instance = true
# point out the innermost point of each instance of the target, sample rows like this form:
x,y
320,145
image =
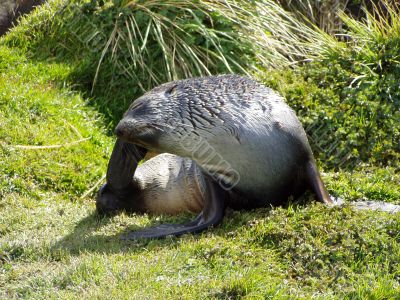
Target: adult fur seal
x,y
248,143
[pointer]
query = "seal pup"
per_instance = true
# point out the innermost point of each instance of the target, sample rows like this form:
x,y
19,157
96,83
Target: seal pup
x,y
247,142
164,184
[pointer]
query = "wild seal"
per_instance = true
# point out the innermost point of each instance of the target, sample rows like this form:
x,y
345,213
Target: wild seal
x,y
164,184
247,142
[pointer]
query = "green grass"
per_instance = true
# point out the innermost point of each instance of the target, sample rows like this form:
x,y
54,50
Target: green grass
x,y
53,245
55,141
112,44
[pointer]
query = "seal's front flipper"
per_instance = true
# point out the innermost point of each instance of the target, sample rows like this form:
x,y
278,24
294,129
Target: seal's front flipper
x,y
212,214
114,195
122,165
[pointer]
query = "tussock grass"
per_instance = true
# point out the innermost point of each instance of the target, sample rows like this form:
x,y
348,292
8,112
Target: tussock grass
x,y
141,44
325,14
201,38
347,98
175,39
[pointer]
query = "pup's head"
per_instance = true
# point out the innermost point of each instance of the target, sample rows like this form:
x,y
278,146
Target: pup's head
x,y
109,203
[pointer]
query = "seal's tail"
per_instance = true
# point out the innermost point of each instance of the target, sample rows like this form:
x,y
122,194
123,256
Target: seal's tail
x,y
316,184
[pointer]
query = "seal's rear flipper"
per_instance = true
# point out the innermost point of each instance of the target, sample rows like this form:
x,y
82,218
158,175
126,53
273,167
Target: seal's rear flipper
x,y
212,215
316,184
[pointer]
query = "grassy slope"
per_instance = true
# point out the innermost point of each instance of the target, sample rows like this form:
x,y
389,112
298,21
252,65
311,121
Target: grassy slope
x,y
53,245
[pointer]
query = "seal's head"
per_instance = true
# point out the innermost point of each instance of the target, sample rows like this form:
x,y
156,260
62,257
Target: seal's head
x,y
155,121
108,203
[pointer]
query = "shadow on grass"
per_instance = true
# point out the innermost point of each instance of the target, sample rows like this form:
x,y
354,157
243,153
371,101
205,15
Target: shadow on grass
x,y
82,238
85,239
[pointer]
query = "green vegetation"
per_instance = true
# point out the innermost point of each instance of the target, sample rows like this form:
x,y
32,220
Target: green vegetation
x,y
351,94
55,142
111,43
325,13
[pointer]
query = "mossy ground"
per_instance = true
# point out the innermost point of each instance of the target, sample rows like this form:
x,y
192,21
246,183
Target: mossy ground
x,y
54,245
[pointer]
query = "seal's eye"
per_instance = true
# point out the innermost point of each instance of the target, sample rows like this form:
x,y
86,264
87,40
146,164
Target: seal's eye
x,y
138,109
136,105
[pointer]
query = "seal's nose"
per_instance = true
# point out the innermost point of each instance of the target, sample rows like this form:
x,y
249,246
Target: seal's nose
x,y
119,131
